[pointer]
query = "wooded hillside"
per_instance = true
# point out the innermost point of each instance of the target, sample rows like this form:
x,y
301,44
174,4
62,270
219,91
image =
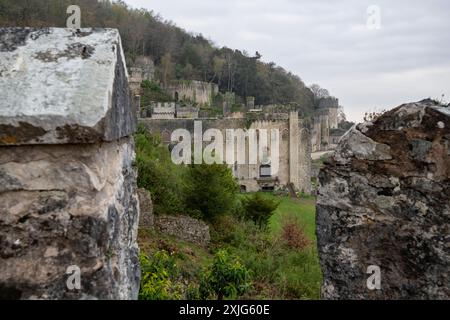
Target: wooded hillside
x,y
177,53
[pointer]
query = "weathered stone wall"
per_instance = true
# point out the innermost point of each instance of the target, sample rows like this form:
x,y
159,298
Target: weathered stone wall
x,y
320,132
384,201
143,69
333,117
298,166
184,228
67,181
181,227
304,160
146,216
330,105
147,67
316,137
198,92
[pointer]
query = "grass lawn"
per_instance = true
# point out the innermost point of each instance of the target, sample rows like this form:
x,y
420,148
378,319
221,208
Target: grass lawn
x,y
302,273
298,273
303,209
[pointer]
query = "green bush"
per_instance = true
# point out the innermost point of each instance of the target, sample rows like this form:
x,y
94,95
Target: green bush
x,y
157,277
227,277
259,209
151,91
193,292
158,174
210,190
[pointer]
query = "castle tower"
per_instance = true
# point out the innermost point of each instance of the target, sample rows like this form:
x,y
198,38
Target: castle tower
x,y
330,105
293,148
333,117
250,103
228,102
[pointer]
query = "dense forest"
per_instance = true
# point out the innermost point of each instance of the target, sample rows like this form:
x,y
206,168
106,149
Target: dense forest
x,y
177,54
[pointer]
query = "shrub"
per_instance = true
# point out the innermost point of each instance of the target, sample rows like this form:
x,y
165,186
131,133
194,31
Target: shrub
x,y
227,277
157,277
158,174
151,91
223,229
259,209
293,235
193,292
210,189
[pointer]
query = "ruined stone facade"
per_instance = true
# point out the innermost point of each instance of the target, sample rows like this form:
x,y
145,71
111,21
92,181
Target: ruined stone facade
x,y
146,216
146,66
68,198
320,131
325,118
142,69
294,149
187,112
196,92
250,103
384,205
331,106
168,110
229,99
163,110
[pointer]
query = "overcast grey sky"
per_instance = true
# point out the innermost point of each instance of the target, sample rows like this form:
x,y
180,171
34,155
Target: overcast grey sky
x,y
328,42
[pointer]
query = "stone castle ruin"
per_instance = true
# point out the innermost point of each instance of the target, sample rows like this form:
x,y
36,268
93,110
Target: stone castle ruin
x,y
68,202
168,110
196,92
324,119
294,150
200,94
143,69
69,208
189,96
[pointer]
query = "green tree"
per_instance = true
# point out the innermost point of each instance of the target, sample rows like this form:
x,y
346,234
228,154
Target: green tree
x,y
158,174
227,277
210,190
259,209
174,51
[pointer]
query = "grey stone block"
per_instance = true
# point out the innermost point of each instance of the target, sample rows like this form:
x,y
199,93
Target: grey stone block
x,y
384,201
63,86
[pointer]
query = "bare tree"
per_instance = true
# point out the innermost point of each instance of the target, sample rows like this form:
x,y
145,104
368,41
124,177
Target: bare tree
x,y
318,92
373,115
341,114
166,68
217,66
